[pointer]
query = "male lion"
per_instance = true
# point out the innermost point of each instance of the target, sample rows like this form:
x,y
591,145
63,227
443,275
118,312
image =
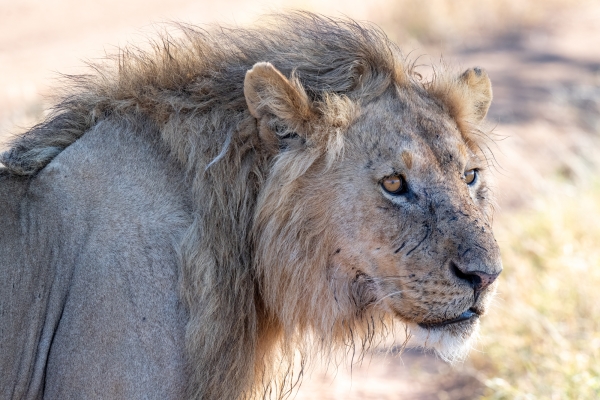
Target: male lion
x,y
182,224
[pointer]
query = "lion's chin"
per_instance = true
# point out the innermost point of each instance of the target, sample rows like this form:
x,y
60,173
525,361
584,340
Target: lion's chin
x,y
451,343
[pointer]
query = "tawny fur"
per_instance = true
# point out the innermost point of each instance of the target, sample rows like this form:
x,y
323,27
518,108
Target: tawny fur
x,y
220,115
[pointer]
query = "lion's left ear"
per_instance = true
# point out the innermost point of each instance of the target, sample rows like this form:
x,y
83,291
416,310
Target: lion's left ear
x,y
479,92
267,91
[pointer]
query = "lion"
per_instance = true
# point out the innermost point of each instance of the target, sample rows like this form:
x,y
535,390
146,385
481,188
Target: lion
x,y
189,219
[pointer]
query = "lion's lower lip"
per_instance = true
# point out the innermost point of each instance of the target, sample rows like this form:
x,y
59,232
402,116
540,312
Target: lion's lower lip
x,y
470,314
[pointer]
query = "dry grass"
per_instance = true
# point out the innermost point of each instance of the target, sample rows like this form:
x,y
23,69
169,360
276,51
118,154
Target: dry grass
x,y
445,22
542,340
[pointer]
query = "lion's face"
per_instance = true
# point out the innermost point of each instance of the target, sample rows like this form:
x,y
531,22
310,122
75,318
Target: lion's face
x,y
398,223
411,212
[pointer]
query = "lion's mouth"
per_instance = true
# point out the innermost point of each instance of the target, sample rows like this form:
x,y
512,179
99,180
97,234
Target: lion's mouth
x,y
469,315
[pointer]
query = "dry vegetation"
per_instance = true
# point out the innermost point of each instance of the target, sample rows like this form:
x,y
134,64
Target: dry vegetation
x,y
449,22
542,339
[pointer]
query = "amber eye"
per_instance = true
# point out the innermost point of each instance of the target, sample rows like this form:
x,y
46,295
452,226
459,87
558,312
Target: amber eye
x,y
471,176
394,184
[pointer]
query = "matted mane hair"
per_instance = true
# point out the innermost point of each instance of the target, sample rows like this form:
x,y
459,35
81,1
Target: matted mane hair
x,y
190,86
201,72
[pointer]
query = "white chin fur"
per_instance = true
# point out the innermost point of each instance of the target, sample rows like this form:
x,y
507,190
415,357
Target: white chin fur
x,y
451,346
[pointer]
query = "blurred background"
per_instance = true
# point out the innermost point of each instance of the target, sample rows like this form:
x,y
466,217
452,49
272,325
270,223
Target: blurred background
x,y
542,337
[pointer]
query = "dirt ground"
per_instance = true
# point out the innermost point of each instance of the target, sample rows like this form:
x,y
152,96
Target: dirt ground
x,y
546,116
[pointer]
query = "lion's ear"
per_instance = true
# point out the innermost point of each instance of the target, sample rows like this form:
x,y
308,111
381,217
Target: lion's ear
x,y
268,92
479,91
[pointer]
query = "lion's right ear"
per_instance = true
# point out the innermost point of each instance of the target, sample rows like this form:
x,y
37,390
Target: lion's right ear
x,y
268,92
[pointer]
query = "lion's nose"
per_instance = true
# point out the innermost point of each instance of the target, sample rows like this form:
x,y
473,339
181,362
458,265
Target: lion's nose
x,y
478,280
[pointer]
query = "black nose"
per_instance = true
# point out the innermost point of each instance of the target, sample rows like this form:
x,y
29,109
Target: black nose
x,y
478,280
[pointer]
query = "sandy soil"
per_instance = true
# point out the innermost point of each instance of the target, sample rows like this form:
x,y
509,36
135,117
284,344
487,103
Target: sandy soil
x,y
546,111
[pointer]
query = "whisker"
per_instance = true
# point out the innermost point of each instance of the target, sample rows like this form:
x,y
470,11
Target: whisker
x,y
386,296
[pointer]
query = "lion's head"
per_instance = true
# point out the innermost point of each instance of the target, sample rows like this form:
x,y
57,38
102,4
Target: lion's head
x,y
376,209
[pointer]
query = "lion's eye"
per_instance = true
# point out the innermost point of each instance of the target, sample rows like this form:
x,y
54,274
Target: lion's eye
x,y
471,176
394,184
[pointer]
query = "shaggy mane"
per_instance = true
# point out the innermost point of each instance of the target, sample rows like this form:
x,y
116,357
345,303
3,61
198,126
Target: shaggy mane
x,y
201,72
191,87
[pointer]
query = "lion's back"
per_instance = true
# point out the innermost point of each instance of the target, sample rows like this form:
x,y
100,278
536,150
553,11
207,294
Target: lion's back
x,y
88,260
